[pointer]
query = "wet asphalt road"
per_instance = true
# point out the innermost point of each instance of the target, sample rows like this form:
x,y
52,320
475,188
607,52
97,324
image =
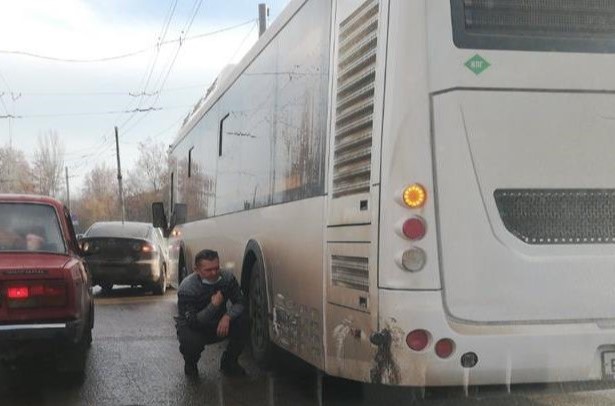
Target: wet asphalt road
x,y
134,360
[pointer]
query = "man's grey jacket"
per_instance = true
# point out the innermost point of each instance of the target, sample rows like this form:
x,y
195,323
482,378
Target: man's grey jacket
x,y
194,300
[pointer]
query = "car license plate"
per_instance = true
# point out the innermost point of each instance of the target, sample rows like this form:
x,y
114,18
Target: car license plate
x,y
608,365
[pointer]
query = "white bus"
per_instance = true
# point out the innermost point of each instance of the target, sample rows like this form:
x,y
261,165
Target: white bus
x,y
415,192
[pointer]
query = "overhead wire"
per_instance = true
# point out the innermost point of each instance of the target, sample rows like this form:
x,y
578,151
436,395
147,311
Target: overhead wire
x,y
101,113
118,93
242,43
106,136
161,38
120,56
185,31
107,141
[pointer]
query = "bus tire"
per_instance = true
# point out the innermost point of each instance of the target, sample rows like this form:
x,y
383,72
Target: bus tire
x,y
260,342
182,270
160,287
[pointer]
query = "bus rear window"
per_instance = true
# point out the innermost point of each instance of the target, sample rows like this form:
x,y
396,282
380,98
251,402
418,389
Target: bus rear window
x,y
536,25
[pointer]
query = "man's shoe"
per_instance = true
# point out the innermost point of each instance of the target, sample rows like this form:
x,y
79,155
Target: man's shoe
x,y
190,369
230,367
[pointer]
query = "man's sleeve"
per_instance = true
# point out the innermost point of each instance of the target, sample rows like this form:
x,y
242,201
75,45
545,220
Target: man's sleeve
x,y
208,314
236,298
187,308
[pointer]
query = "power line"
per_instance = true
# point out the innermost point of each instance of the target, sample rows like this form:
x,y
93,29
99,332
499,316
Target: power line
x,y
183,115
96,113
195,11
144,83
151,71
180,40
118,93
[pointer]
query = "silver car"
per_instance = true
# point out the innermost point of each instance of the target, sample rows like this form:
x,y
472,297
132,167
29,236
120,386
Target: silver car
x,y
126,253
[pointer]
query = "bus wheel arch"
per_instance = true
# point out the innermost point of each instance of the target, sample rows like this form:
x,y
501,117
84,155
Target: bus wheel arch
x,y
255,287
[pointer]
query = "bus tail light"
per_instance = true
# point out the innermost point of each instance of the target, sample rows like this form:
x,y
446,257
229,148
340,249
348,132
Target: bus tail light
x,y
414,259
414,228
415,196
445,348
418,340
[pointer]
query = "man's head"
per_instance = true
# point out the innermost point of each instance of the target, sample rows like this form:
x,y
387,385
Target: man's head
x,y
207,265
35,238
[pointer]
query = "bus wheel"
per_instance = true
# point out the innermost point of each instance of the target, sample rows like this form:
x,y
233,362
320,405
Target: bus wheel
x,y
259,318
182,271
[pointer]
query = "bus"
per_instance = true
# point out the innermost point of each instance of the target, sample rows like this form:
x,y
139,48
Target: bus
x,y
415,193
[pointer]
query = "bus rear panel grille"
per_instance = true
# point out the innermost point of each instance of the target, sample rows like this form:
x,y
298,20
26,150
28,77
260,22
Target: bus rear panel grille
x,y
558,216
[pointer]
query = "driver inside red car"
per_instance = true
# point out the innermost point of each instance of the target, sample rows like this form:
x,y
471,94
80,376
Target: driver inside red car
x,y
35,239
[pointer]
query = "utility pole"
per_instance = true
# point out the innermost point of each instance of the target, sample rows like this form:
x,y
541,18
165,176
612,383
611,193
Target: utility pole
x,y
67,189
119,175
263,13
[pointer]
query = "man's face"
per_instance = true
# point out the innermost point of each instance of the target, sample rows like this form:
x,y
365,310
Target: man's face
x,y
209,270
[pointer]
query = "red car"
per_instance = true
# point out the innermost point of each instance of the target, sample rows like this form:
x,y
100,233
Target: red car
x,y
46,305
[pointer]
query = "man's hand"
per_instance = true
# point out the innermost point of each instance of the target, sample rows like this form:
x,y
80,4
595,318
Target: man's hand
x,y
223,326
217,299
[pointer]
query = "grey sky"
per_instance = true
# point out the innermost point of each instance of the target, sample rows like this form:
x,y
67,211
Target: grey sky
x,y
83,101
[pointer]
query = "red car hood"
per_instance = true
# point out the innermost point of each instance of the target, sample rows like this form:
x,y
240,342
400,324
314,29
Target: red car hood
x,y
29,261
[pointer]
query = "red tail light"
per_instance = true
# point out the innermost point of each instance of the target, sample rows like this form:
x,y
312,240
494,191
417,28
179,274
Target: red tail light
x,y
414,228
18,292
143,247
417,340
49,293
148,248
445,347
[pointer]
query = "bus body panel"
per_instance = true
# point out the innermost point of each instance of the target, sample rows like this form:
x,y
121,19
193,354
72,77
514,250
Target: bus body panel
x,y
251,164
293,262
507,354
487,141
351,233
520,69
406,149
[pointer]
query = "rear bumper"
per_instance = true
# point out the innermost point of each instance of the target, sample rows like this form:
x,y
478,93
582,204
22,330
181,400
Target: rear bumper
x,y
507,354
137,273
17,340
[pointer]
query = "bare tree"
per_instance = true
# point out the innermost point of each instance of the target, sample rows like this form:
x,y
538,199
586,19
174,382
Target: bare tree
x,y
98,200
147,181
150,171
15,172
49,164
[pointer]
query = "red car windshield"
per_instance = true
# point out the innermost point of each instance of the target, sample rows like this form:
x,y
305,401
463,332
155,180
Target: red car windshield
x,y
30,227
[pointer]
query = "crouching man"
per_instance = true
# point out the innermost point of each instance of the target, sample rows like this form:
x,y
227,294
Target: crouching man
x,y
204,317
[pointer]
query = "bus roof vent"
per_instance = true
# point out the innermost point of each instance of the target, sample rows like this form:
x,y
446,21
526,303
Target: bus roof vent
x,y
356,75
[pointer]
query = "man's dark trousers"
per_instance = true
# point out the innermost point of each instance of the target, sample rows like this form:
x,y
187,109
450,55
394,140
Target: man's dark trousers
x,y
192,342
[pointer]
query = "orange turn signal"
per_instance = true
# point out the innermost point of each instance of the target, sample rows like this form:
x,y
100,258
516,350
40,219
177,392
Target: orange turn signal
x,y
415,196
